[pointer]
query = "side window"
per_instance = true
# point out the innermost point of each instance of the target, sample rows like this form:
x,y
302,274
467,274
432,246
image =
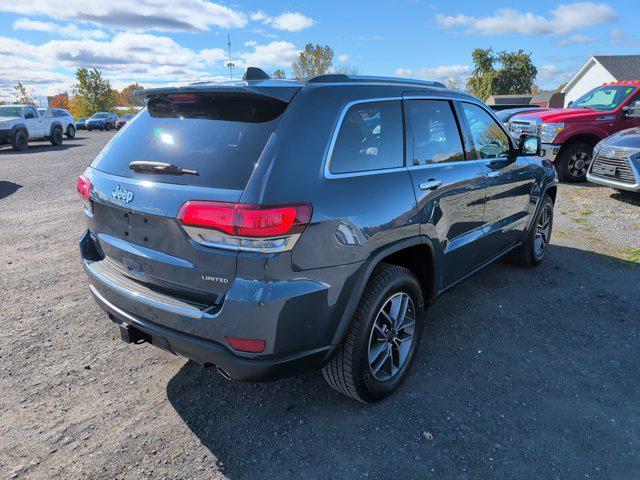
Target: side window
x,y
489,139
434,132
30,112
370,138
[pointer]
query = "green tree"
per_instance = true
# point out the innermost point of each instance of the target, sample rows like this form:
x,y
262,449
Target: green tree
x,y
350,70
313,61
21,94
561,86
93,91
515,73
128,91
279,73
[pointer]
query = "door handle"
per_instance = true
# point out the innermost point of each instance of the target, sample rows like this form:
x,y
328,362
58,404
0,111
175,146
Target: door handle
x,y
495,173
430,184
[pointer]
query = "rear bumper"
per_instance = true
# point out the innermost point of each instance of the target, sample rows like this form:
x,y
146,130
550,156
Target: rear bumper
x,y
550,151
210,353
297,317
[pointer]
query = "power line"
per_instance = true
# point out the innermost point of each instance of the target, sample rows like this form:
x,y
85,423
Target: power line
x,y
230,63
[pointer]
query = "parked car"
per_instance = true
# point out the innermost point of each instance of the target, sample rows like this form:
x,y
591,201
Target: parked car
x,y
81,124
123,120
21,123
102,121
505,115
64,117
263,265
510,106
617,161
569,134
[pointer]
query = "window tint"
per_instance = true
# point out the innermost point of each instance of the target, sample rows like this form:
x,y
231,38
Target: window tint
x,y
370,138
221,138
489,139
30,110
434,132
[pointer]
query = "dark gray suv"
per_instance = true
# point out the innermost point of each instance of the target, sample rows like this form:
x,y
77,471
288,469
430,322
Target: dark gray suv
x,y
269,227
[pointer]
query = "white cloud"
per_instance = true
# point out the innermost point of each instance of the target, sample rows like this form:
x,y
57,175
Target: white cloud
x,y
274,54
289,21
574,39
250,43
163,15
343,58
563,19
34,25
620,38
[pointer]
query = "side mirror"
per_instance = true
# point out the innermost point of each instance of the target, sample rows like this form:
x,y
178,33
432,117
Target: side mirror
x,y
29,115
632,110
530,146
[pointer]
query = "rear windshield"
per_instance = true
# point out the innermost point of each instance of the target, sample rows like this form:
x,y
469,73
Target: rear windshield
x,y
220,138
99,115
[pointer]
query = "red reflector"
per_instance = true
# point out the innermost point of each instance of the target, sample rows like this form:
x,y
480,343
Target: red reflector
x,y
182,97
84,187
247,220
247,344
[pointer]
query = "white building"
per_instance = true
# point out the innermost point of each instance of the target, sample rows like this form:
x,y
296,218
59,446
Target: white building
x,y
601,69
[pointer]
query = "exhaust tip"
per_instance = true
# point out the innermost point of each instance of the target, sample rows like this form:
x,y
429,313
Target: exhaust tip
x,y
223,373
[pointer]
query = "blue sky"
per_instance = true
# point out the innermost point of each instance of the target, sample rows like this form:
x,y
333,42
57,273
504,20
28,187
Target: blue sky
x,y
159,42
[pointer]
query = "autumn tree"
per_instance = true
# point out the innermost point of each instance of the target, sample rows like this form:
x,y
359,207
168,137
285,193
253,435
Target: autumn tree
x,y
93,91
61,100
279,73
21,94
515,73
79,107
313,60
347,70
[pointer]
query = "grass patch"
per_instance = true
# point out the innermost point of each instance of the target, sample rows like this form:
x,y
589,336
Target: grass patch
x,y
586,212
563,212
562,234
580,220
631,254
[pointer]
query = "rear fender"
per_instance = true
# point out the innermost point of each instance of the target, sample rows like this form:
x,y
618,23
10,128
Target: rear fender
x,y
54,125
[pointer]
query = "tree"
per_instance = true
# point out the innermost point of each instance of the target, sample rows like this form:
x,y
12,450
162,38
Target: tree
x,y
127,93
561,86
21,94
79,108
453,82
279,73
535,89
93,91
313,61
349,70
61,100
515,74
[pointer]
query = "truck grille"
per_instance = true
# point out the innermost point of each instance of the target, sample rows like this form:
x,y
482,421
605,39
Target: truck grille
x,y
614,163
523,127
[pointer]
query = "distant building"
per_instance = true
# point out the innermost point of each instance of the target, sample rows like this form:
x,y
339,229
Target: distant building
x,y
548,99
601,69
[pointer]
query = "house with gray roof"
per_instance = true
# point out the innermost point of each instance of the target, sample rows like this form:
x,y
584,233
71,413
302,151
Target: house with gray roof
x,y
601,69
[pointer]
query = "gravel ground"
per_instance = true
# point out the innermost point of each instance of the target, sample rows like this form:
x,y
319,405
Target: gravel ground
x,y
520,374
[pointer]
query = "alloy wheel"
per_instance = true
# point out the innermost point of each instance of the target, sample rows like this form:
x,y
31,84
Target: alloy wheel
x,y
543,231
578,164
392,336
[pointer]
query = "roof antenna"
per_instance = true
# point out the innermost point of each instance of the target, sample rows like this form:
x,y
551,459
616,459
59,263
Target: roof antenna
x,y
230,64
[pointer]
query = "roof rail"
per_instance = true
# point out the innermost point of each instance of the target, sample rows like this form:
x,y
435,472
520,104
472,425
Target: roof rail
x,y
339,77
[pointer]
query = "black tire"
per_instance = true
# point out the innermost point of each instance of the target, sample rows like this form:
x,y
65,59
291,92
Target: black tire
x,y
529,254
56,136
20,141
71,131
89,128
349,371
572,164
108,127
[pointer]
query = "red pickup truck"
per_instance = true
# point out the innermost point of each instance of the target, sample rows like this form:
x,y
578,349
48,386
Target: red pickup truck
x,y
569,134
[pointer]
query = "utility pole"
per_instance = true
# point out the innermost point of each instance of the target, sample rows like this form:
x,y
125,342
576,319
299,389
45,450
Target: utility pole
x,y
230,64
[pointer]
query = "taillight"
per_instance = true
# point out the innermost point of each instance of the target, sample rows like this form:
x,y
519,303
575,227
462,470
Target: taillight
x,y
245,227
84,189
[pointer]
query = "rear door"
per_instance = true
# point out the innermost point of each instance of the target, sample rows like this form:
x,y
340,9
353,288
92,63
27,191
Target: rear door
x,y
449,189
510,179
134,218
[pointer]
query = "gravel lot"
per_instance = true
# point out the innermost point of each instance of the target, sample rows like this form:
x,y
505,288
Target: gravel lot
x,y
521,374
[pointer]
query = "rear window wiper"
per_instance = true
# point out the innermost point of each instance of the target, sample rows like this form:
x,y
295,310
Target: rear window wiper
x,y
160,168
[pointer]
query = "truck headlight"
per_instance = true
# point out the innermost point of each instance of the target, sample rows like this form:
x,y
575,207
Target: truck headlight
x,y
597,148
550,131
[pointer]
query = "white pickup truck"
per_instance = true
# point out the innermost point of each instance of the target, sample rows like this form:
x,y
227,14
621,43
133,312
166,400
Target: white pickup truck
x,y
21,123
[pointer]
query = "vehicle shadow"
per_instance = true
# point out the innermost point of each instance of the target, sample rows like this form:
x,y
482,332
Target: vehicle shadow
x,y
632,198
40,147
520,374
8,188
